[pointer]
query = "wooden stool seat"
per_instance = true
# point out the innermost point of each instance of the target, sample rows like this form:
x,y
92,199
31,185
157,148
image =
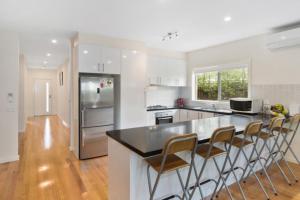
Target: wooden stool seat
x,y
239,142
204,148
283,130
173,162
265,136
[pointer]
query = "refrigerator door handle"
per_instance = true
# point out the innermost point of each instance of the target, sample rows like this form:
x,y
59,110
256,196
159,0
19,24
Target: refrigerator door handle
x,y
83,139
82,118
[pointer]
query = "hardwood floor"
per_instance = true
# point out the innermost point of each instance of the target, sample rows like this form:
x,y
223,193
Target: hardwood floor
x,y
47,170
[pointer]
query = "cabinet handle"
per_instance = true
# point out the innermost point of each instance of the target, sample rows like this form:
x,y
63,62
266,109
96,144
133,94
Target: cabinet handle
x,y
98,67
103,67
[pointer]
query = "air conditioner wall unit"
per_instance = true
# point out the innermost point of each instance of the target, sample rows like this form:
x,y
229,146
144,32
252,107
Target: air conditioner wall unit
x,y
284,39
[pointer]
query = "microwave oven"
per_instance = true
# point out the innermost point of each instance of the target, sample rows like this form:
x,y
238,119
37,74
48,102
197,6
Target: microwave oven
x,y
246,105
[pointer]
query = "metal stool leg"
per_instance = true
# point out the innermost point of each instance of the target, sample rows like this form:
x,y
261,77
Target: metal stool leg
x,y
273,160
249,161
266,173
182,185
198,179
253,172
279,147
232,164
198,184
221,175
290,148
152,191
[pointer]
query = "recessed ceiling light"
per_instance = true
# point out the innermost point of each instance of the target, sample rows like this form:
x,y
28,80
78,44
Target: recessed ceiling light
x,y
283,37
124,56
48,54
134,52
45,62
54,41
85,51
227,18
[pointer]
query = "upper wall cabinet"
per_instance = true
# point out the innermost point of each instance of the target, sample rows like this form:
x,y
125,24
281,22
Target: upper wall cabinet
x,y
166,71
99,59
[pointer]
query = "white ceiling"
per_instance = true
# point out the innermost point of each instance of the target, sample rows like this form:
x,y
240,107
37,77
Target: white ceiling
x,y
199,22
36,46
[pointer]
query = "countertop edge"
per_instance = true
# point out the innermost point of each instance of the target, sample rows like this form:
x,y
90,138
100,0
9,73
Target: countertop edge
x,y
187,108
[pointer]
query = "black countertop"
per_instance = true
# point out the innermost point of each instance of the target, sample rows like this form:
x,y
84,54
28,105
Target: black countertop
x,y
149,141
217,111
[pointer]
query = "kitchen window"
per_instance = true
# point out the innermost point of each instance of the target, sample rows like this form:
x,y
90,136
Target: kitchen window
x,y
221,83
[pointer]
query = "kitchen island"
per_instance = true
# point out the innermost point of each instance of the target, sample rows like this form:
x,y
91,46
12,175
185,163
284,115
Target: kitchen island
x,y
128,148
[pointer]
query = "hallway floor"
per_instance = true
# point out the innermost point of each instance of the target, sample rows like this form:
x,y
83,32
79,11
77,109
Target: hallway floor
x,y
48,170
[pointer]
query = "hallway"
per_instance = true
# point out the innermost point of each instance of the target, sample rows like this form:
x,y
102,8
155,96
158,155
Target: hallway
x,y
48,170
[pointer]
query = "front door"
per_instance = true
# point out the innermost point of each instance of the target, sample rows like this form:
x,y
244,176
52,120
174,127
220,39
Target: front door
x,y
42,97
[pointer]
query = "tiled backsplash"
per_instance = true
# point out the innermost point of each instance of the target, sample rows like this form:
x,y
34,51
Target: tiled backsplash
x,y
165,96
288,95
285,94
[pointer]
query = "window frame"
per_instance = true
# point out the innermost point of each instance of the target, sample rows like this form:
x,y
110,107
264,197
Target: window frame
x,y
220,68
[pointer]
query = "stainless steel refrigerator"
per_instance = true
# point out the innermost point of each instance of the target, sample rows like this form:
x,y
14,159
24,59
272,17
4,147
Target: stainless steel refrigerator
x,y
96,114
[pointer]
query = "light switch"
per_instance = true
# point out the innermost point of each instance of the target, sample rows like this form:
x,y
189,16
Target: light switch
x,y
10,97
11,107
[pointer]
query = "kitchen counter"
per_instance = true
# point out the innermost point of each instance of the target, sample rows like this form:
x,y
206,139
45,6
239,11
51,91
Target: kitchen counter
x,y
211,110
128,148
149,141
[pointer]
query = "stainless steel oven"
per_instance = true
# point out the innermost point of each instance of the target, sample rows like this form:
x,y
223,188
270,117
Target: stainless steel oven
x,y
164,120
165,117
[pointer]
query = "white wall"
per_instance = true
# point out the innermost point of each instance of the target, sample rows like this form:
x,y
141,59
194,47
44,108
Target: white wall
x,y
22,72
63,97
165,96
277,67
32,75
9,83
275,75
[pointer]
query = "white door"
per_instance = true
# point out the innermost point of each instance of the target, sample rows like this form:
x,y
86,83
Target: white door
x,y
43,97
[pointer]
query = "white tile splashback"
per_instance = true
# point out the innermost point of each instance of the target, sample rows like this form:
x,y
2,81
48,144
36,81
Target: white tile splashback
x,y
165,96
272,94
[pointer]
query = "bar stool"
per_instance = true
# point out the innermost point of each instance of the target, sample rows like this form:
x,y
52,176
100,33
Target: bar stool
x,y
168,161
209,151
292,130
270,140
284,132
247,140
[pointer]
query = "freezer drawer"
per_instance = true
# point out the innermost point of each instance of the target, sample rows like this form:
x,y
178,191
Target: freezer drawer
x,y
97,117
94,142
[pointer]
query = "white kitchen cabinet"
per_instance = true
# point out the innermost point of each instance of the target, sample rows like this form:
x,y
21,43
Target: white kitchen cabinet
x,y
166,71
176,116
184,115
192,114
133,82
207,115
111,60
89,58
99,59
151,118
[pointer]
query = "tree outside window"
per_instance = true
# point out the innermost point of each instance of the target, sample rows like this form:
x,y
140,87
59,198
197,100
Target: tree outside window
x,y
222,85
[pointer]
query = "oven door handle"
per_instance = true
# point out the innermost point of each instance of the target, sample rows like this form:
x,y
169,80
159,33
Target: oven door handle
x,y
170,117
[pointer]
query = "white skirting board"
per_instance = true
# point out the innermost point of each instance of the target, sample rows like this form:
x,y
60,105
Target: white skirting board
x,y
9,159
